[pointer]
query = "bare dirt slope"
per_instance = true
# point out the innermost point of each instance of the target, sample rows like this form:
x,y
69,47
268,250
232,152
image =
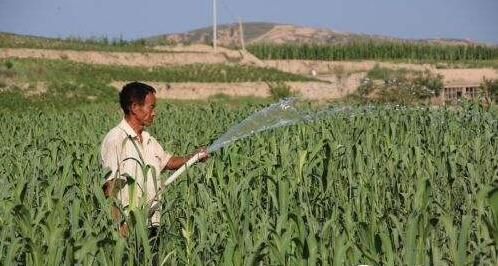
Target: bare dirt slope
x,y
467,77
198,54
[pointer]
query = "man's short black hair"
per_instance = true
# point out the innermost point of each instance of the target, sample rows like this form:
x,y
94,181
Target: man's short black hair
x,y
133,92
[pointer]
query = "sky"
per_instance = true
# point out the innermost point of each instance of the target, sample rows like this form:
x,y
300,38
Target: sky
x,y
131,19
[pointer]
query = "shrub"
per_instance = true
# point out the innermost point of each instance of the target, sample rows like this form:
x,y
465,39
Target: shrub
x,y
490,87
400,85
9,64
279,90
386,74
428,84
366,87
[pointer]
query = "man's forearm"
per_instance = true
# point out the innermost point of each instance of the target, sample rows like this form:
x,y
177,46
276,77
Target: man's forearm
x,y
176,162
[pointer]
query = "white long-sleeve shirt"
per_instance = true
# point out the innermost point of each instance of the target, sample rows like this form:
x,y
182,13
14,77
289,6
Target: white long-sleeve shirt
x,y
126,157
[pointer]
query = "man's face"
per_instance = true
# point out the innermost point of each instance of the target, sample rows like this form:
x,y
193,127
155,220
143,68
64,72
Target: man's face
x,y
145,113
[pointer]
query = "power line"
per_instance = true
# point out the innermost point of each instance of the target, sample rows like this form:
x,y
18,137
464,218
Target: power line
x,y
229,11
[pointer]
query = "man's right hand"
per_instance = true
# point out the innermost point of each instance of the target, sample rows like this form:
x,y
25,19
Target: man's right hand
x,y
203,154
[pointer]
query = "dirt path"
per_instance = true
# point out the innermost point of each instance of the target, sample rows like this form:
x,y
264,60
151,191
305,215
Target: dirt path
x,y
118,58
334,89
305,67
468,76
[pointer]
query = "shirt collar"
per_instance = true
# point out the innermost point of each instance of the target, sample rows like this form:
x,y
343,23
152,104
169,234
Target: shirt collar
x,y
130,132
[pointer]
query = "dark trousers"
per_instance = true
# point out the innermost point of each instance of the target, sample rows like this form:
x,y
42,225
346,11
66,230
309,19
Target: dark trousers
x,y
154,244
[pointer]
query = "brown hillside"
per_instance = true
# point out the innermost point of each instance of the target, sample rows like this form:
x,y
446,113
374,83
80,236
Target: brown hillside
x,y
229,36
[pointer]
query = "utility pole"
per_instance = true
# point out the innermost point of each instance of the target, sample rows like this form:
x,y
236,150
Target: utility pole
x,y
214,25
241,35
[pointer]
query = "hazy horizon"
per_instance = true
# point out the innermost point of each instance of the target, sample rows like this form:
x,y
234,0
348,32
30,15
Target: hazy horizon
x,y
424,19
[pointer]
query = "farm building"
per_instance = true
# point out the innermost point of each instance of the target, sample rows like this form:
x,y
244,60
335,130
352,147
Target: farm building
x,y
455,91
464,83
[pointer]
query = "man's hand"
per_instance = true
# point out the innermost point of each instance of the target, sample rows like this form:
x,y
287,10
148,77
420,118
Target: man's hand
x,y
203,154
176,162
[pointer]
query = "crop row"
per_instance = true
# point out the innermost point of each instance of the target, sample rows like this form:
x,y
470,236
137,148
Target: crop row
x,y
375,51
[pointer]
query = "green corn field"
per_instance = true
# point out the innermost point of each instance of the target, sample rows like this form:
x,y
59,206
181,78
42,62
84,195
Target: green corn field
x,y
375,50
393,186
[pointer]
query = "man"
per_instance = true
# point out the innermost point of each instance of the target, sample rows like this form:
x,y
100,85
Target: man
x,y
132,153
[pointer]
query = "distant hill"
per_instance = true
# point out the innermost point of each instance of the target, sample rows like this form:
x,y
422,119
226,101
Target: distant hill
x,y
228,36
261,32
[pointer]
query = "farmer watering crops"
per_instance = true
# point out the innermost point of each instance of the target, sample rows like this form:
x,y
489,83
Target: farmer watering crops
x,y
130,152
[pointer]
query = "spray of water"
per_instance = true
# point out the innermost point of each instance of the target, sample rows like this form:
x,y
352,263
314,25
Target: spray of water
x,y
286,113
279,114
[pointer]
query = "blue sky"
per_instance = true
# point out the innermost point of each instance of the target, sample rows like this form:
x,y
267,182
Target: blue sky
x,y
476,20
